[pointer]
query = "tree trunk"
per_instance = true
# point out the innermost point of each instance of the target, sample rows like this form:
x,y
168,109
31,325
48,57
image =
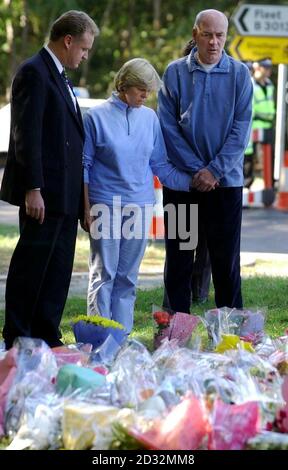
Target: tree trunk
x,y
131,14
10,49
24,25
156,14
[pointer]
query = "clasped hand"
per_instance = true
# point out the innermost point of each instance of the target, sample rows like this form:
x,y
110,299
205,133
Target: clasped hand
x,y
204,181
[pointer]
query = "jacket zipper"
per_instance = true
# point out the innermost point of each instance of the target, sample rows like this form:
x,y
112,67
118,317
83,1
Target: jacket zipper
x,y
127,119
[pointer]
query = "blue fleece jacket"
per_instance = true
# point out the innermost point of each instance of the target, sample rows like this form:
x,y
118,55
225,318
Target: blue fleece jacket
x,y
206,116
123,148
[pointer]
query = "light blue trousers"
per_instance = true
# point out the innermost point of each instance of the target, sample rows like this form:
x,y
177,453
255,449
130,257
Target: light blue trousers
x,y
117,246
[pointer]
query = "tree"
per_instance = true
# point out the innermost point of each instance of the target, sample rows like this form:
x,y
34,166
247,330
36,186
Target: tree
x,y
153,29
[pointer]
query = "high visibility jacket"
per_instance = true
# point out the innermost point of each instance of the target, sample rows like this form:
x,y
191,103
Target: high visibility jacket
x,y
263,106
249,149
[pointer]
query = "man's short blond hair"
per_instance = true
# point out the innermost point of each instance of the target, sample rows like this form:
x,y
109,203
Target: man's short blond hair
x,y
75,23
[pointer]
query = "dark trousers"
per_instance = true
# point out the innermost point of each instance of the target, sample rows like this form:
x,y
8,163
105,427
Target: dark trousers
x,y
201,271
220,215
39,278
201,274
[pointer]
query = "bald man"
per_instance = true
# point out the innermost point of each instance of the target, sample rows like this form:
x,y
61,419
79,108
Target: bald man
x,y
205,114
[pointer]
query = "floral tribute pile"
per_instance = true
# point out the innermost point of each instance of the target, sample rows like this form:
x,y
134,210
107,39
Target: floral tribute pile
x,y
226,397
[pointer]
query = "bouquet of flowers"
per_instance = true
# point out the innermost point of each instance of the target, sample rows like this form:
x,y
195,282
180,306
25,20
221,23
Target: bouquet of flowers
x,y
96,329
173,325
247,324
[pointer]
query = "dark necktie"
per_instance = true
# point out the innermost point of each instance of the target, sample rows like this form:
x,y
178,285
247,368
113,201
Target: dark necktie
x,y
66,80
69,88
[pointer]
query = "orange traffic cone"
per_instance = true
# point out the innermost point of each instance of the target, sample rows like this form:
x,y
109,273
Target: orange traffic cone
x,y
282,199
157,225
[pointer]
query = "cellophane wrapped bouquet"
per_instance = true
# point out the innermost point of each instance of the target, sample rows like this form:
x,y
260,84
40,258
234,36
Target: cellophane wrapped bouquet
x,y
172,325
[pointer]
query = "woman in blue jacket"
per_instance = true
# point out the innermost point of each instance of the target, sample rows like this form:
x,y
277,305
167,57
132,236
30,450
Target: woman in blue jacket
x,y
124,148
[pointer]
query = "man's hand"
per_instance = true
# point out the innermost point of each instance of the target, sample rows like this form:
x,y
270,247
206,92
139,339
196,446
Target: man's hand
x,y
34,204
204,181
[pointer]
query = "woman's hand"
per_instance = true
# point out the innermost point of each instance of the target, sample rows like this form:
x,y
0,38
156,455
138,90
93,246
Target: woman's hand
x,y
87,220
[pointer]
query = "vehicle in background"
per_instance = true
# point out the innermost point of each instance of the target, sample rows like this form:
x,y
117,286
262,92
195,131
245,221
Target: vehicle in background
x,y
81,92
84,103
4,132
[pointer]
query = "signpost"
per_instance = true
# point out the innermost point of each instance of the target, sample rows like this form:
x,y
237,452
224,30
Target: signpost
x,y
254,48
264,33
262,20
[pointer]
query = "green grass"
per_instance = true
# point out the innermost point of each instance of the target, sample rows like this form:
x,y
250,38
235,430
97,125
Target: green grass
x,y
153,260
269,293
9,237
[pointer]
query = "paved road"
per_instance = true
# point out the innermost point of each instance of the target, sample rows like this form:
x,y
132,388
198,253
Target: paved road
x,y
79,282
263,230
8,214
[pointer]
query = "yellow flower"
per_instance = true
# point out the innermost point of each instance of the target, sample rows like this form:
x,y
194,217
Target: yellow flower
x,y
98,320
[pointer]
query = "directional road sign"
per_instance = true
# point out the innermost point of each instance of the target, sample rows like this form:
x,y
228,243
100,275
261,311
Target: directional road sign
x,y
257,48
261,20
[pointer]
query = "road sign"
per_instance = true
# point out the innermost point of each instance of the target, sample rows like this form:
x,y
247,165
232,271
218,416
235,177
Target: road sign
x,y
261,20
257,48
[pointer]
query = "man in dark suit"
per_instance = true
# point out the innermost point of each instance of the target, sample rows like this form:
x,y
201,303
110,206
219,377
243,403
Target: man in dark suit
x,y
43,176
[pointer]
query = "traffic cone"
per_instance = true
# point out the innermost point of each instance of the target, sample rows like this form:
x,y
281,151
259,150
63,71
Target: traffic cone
x,y
267,166
258,198
264,197
157,225
282,199
252,198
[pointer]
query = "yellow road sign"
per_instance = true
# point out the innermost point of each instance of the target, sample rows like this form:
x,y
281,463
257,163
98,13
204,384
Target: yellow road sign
x,y
256,48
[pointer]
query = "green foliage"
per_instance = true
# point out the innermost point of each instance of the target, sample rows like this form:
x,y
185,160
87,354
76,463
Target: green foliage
x,y
8,239
129,29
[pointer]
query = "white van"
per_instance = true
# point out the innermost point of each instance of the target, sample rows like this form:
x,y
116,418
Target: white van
x,y
4,128
84,103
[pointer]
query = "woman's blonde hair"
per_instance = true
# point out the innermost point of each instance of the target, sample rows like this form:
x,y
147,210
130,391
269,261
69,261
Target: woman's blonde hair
x,y
139,73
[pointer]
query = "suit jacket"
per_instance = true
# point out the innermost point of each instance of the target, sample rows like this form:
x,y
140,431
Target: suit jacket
x,y
46,139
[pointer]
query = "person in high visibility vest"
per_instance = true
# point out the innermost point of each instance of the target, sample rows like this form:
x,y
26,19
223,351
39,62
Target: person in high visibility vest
x,y
264,99
264,109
